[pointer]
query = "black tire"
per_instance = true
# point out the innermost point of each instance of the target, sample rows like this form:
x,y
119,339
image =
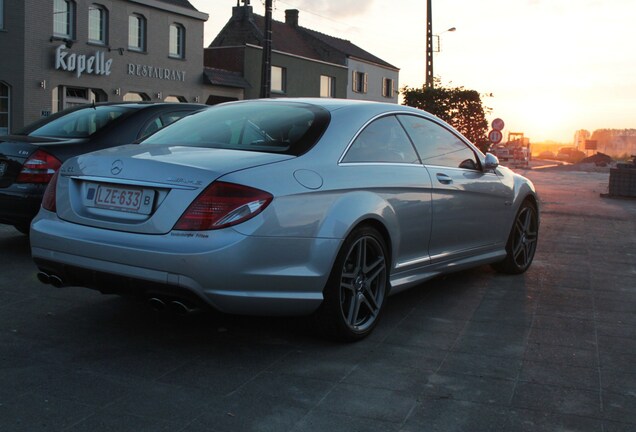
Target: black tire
x,y
522,241
356,291
23,228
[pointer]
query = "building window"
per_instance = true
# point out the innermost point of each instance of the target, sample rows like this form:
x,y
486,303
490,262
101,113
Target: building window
x,y
136,32
387,87
327,86
4,109
97,24
359,82
64,18
279,78
177,41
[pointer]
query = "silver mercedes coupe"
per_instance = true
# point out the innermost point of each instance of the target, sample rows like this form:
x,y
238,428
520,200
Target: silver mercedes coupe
x,y
314,207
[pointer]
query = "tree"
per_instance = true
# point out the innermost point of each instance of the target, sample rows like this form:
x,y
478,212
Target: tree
x,y
460,107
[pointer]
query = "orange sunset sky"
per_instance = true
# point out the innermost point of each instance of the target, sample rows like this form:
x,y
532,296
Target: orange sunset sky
x,y
553,66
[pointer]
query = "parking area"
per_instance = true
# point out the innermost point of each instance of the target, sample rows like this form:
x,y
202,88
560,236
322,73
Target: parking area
x,y
552,349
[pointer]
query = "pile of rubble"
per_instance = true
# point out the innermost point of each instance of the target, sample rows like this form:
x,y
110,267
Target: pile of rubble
x,y
599,159
622,180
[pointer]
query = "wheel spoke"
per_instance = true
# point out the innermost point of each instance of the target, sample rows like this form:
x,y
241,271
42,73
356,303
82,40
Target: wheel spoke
x,y
370,300
348,286
361,254
374,270
354,309
518,248
527,216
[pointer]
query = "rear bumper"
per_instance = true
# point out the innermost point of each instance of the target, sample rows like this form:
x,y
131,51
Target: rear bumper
x,y
20,203
226,270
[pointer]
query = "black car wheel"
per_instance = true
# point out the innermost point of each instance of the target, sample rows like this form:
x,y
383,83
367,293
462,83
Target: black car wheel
x,y
356,291
522,241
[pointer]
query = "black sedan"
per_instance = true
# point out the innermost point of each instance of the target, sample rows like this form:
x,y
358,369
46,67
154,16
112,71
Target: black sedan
x,y
29,158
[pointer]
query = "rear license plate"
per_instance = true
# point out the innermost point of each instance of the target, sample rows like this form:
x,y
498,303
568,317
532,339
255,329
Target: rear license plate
x,y
133,200
3,168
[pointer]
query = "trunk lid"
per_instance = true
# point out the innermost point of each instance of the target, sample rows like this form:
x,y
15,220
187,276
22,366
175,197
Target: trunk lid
x,y
144,188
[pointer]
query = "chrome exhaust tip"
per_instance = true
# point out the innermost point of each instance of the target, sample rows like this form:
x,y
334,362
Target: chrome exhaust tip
x,y
157,304
181,308
44,278
56,281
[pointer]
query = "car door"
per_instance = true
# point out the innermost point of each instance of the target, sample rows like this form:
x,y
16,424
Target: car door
x,y
382,159
469,205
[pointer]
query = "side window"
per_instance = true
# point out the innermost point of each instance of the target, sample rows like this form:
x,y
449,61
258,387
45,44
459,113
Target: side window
x,y
161,121
64,18
383,140
437,145
97,24
177,41
137,33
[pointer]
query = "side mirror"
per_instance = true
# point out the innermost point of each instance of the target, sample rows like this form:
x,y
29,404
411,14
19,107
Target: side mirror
x,y
490,162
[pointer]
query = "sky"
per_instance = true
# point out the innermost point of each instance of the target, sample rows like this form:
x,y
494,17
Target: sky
x,y
552,66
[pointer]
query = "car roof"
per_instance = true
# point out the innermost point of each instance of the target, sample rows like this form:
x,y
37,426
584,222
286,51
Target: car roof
x,y
146,104
332,105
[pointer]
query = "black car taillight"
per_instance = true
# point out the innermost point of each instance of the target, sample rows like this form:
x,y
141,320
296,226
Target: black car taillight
x,y
38,168
222,205
48,200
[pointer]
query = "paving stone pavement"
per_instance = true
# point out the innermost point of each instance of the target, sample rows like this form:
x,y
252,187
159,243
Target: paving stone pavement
x,y
553,349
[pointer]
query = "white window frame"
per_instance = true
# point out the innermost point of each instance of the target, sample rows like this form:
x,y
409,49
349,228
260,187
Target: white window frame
x,y
176,43
360,82
140,35
69,11
278,79
103,24
387,87
327,86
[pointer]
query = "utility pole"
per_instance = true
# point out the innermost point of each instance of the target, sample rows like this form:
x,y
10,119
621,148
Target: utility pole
x,y
429,45
266,69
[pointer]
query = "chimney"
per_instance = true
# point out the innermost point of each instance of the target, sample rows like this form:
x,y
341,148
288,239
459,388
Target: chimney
x,y
241,13
291,17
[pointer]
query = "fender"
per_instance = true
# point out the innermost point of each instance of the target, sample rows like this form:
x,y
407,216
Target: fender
x,y
353,208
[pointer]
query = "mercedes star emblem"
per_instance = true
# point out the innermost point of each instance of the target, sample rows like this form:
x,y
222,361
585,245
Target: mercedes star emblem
x,y
117,167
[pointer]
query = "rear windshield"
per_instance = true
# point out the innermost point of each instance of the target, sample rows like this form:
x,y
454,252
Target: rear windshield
x,y
263,126
79,124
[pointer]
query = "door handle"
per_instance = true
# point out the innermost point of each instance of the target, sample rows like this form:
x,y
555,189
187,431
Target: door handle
x,y
444,179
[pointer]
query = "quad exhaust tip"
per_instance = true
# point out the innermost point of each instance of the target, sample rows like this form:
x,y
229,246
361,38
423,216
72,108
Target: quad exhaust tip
x,y
158,304
178,307
48,279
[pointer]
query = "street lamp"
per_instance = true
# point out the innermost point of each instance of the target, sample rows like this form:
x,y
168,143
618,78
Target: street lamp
x,y
429,44
439,47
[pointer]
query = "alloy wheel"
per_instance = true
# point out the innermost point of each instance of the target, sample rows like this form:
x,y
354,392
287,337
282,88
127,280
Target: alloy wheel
x,y
363,283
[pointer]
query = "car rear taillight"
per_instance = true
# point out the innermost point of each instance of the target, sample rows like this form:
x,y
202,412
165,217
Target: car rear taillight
x,y
38,168
222,205
48,200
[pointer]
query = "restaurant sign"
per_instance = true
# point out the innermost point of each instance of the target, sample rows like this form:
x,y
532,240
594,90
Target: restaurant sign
x,y
96,64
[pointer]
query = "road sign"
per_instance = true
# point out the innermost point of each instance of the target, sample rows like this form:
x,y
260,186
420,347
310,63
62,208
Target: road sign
x,y
495,136
498,124
591,144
